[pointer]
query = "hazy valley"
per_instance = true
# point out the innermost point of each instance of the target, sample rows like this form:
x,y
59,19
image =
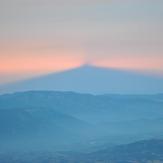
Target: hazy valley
x,y
85,126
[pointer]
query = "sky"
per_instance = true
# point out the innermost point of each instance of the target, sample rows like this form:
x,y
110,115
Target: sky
x,y
42,36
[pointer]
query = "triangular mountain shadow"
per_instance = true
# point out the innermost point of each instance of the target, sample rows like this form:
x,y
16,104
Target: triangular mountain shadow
x,y
91,79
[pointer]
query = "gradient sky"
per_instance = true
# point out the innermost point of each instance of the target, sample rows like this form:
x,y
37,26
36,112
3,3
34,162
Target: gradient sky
x,y
41,36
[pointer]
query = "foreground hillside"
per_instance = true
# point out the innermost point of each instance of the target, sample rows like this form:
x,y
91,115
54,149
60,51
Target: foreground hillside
x,y
142,151
147,151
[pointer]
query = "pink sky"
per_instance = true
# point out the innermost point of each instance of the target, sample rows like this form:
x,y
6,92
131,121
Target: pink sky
x,y
30,62
39,37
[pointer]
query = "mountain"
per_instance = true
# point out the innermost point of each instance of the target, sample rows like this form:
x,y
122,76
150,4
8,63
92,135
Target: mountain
x,y
141,152
91,108
34,128
91,79
60,120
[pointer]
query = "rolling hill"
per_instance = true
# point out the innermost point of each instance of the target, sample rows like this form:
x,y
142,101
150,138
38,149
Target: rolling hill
x,y
60,120
141,152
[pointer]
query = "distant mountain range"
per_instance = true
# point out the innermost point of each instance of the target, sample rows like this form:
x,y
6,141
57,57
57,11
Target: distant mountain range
x,y
60,120
91,79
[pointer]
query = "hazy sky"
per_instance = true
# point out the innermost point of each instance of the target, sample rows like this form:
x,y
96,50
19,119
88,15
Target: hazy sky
x,y
40,36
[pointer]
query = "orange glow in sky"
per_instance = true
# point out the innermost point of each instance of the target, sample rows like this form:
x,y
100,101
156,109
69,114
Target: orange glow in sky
x,y
39,37
44,63
21,62
133,63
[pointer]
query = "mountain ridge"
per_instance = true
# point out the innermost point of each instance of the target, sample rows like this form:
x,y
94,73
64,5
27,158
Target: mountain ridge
x,y
62,119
